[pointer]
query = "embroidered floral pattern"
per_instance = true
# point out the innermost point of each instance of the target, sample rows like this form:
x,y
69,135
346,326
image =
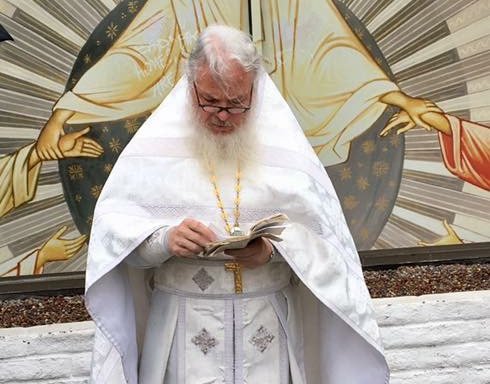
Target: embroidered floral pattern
x,y
204,341
261,338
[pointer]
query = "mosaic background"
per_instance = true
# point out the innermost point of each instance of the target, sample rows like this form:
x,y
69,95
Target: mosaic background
x,y
397,191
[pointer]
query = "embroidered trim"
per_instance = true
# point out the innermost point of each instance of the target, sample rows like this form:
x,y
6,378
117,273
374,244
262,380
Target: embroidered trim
x,y
181,337
229,352
238,310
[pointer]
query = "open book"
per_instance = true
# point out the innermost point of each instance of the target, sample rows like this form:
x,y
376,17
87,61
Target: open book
x,y
270,227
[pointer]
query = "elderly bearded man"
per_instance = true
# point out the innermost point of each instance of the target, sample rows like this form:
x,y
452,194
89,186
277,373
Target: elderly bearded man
x,y
224,150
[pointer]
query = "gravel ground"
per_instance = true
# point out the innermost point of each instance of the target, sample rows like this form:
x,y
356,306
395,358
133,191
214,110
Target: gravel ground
x,y
427,279
42,310
402,281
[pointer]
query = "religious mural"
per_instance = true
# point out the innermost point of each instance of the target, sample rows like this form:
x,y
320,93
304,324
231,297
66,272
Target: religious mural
x,y
392,94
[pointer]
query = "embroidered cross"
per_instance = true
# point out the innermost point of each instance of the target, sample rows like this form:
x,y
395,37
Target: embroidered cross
x,y
237,274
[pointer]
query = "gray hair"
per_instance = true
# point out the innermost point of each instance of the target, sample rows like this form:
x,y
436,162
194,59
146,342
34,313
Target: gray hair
x,y
216,46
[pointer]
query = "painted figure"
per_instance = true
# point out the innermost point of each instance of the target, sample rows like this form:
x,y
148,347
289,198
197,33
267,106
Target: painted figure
x,y
465,145
19,173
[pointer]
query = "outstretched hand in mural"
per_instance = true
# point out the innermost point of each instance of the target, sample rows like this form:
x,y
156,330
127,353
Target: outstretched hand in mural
x,y
74,144
465,145
54,144
58,249
413,113
22,167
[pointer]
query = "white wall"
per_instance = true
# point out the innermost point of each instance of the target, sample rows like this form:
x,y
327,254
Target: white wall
x,y
437,339
432,339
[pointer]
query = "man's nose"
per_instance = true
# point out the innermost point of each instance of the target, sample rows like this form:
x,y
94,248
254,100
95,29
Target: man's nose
x,y
223,115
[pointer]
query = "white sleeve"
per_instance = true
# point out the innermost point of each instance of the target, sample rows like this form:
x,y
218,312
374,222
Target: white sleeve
x,y
276,256
152,252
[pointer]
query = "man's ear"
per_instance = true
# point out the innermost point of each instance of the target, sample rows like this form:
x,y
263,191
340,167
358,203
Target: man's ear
x,y
4,35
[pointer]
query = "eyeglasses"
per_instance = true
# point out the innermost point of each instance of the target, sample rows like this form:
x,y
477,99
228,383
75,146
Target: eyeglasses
x,y
218,109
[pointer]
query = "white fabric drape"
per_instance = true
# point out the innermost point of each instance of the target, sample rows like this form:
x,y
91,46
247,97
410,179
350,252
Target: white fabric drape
x,y
157,182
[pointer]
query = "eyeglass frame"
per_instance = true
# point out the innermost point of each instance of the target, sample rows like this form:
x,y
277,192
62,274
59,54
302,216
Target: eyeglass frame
x,y
219,108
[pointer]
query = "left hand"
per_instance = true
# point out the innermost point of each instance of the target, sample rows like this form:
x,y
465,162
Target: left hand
x,y
255,254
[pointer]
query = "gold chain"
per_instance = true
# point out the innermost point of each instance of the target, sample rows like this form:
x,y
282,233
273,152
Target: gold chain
x,y
236,210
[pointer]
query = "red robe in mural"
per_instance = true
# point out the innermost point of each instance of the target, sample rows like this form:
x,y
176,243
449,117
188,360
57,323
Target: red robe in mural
x,y
467,152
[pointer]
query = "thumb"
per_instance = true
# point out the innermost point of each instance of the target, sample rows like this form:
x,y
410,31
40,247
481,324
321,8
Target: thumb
x,y
448,227
60,232
78,134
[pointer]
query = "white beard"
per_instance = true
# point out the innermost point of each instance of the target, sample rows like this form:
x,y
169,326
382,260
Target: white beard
x,y
238,147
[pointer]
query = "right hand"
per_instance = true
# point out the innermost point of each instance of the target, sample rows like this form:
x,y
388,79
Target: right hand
x,y
75,144
189,238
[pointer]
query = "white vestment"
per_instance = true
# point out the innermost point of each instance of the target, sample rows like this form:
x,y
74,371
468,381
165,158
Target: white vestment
x,y
216,335
157,182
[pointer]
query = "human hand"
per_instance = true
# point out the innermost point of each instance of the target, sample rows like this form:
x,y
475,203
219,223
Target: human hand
x,y
412,111
401,118
189,238
47,142
434,120
255,254
58,249
76,145
450,238
416,108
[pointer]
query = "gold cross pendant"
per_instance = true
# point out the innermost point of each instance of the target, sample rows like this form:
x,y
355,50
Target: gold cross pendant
x,y
237,272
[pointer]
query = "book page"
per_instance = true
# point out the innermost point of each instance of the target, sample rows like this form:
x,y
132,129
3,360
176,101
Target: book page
x,y
269,227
